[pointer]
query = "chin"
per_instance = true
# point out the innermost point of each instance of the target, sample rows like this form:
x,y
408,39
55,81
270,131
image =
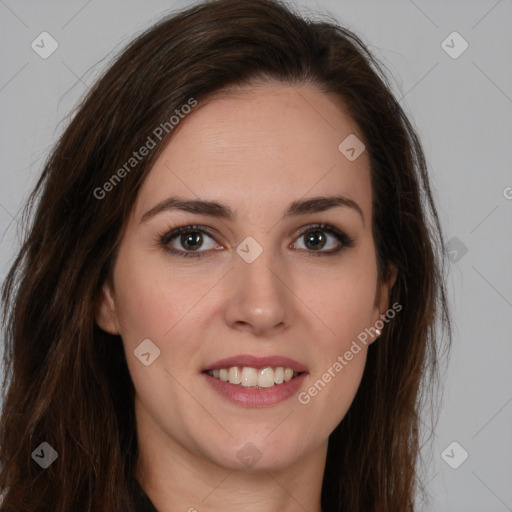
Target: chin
x,y
257,455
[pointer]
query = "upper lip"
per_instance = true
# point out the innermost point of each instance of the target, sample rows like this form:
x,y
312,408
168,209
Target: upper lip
x,y
257,362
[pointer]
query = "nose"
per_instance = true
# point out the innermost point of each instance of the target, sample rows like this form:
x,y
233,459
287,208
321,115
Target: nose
x,y
259,299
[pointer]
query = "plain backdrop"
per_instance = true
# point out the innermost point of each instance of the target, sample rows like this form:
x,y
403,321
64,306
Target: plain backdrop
x,y
460,101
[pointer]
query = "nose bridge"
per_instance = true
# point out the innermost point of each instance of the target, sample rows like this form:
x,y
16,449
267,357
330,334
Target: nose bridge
x,y
259,296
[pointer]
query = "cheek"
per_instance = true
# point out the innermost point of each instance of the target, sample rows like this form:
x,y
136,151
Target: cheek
x,y
157,303
346,308
329,393
150,300
345,301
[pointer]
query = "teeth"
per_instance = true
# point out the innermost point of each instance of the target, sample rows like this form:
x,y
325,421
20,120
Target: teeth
x,y
266,378
248,377
288,374
279,375
234,375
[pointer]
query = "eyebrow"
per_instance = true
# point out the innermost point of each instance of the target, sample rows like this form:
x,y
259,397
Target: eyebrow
x,y
221,211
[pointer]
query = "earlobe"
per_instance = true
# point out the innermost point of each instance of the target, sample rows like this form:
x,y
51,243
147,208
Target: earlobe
x,y
105,314
382,298
385,289
393,273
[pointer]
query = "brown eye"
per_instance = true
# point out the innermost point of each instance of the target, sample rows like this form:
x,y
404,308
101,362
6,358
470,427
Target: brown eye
x,y
321,237
192,240
315,240
187,241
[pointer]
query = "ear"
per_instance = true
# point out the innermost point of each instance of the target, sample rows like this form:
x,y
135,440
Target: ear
x,y
105,313
383,290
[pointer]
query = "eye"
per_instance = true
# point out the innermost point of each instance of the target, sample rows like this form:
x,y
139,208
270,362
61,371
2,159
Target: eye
x,y
315,240
187,240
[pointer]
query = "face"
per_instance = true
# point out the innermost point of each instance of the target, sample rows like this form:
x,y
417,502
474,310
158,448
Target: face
x,y
263,280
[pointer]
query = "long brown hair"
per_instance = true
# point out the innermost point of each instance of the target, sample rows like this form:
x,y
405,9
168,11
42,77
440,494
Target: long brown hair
x,y
67,382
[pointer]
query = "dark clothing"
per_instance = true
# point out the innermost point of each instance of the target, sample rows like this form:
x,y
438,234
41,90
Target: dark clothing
x,y
141,499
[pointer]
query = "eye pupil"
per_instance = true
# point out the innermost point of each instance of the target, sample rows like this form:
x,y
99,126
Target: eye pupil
x,y
314,237
192,240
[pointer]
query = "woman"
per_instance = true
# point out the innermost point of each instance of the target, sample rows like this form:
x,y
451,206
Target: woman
x,y
229,293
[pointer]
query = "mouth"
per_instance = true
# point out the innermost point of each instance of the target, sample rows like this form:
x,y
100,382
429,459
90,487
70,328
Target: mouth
x,y
250,377
256,381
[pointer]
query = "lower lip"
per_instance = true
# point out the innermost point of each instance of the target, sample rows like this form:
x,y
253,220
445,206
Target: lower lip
x,y
254,397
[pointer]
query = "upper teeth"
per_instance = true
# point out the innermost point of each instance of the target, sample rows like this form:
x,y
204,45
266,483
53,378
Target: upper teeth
x,y
251,377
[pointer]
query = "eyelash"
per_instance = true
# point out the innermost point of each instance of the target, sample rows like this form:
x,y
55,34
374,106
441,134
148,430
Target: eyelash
x,y
167,236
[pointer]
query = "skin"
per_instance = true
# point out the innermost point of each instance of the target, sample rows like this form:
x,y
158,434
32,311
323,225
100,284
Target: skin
x,y
256,150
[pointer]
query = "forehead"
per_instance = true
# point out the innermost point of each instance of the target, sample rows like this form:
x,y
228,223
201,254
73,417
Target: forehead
x,y
260,148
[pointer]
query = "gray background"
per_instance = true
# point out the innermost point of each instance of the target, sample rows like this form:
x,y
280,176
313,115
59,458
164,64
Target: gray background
x,y
462,110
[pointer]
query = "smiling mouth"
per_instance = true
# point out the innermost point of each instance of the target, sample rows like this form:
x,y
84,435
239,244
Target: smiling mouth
x,y
249,377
